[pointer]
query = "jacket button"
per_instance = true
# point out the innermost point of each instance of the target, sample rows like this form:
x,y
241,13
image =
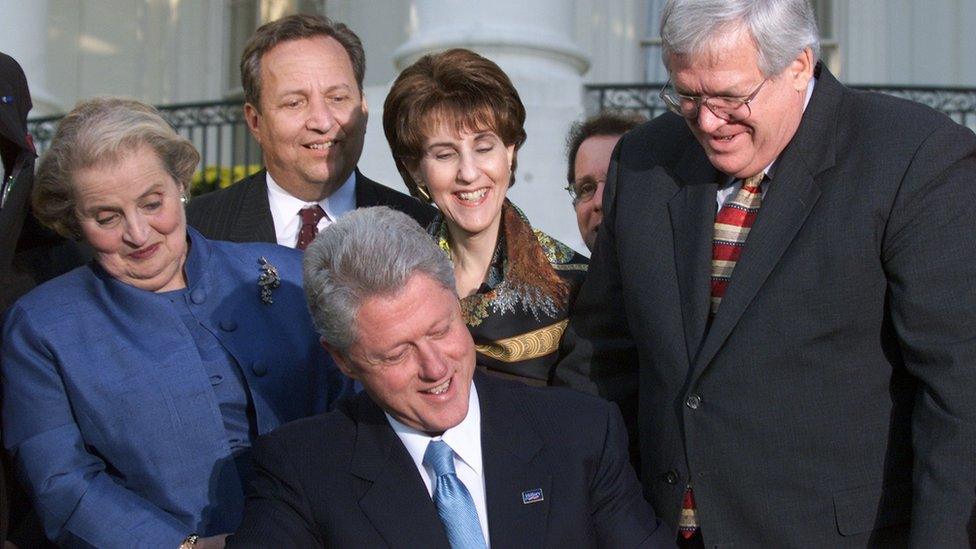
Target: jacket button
x,y
671,477
228,325
693,402
198,296
259,368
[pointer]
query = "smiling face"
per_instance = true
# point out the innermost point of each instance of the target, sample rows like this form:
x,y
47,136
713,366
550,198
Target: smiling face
x,y
312,117
745,148
592,160
467,175
130,212
414,355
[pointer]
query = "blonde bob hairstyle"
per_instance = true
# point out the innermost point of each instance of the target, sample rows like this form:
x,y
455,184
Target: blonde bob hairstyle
x,y
99,131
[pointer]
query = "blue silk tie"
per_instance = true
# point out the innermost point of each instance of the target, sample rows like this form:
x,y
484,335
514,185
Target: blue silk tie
x,y
454,503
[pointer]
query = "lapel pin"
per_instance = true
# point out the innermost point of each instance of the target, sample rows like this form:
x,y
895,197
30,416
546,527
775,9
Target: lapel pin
x,y
532,496
6,99
268,280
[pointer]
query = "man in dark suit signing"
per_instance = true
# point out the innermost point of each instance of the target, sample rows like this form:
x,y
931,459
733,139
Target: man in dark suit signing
x,y
426,456
303,90
783,285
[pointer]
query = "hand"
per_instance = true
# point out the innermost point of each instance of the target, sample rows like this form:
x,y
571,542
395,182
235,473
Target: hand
x,y
9,545
212,542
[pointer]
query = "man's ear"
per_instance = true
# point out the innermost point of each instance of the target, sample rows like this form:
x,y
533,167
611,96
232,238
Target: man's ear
x,y
801,70
339,359
251,116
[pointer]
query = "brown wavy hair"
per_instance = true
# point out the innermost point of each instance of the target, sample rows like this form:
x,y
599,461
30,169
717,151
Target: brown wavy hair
x,y
457,87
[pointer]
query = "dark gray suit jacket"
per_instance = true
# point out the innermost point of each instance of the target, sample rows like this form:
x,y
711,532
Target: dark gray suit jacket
x,y
241,213
345,479
832,401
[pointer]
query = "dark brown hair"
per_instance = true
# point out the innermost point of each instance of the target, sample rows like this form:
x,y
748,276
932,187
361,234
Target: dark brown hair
x,y
459,87
606,123
295,27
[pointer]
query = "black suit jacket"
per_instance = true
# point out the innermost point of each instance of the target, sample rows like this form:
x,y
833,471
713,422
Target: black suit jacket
x,y
831,401
345,479
241,213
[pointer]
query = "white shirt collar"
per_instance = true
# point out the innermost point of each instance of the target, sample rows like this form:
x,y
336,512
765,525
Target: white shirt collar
x,y
464,438
285,207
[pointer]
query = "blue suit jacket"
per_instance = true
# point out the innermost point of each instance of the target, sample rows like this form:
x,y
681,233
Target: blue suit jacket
x,y
110,414
344,479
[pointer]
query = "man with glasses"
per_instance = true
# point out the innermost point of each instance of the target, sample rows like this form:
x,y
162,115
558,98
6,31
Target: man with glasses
x,y
781,298
589,145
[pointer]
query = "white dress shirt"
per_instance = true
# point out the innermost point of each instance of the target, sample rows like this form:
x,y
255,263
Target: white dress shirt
x,y
732,185
465,439
285,208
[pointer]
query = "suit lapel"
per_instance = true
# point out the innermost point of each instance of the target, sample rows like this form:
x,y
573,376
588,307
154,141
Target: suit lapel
x,y
790,198
254,222
397,502
692,212
366,192
514,479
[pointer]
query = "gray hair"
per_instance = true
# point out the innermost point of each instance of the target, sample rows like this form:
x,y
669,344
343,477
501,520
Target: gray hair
x,y
369,252
96,131
780,28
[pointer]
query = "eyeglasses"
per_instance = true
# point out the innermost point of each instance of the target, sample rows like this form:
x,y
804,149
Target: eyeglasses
x,y
730,109
582,191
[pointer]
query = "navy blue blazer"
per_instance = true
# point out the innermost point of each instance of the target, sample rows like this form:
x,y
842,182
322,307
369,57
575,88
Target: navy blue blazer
x,y
110,414
345,479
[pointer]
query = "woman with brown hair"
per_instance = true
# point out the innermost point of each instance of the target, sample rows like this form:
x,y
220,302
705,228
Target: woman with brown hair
x,y
454,122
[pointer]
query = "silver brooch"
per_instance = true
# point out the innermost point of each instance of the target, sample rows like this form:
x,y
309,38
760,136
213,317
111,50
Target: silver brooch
x,y
269,280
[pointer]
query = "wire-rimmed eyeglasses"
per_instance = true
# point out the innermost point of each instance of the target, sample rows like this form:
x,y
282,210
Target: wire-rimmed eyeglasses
x,y
582,191
731,109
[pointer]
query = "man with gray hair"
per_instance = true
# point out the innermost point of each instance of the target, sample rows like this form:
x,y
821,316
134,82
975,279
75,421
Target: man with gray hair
x,y
782,294
432,454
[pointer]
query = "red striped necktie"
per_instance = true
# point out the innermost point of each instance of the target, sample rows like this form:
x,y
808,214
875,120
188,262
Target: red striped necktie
x,y
732,226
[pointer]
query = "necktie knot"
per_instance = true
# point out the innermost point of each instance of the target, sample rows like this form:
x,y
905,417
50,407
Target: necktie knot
x,y
440,457
752,183
310,225
311,215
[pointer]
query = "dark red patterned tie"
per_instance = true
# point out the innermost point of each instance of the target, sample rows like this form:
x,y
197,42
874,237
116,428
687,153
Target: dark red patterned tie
x,y
732,226
310,225
688,521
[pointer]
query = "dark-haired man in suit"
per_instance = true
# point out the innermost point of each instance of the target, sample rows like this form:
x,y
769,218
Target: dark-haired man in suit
x,y
431,454
783,281
303,89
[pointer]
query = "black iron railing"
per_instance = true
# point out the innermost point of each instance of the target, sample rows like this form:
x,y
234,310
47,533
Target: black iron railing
x,y
958,103
217,129
228,152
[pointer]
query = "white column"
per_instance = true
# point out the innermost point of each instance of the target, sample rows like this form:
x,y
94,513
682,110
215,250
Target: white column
x,y
531,42
23,36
